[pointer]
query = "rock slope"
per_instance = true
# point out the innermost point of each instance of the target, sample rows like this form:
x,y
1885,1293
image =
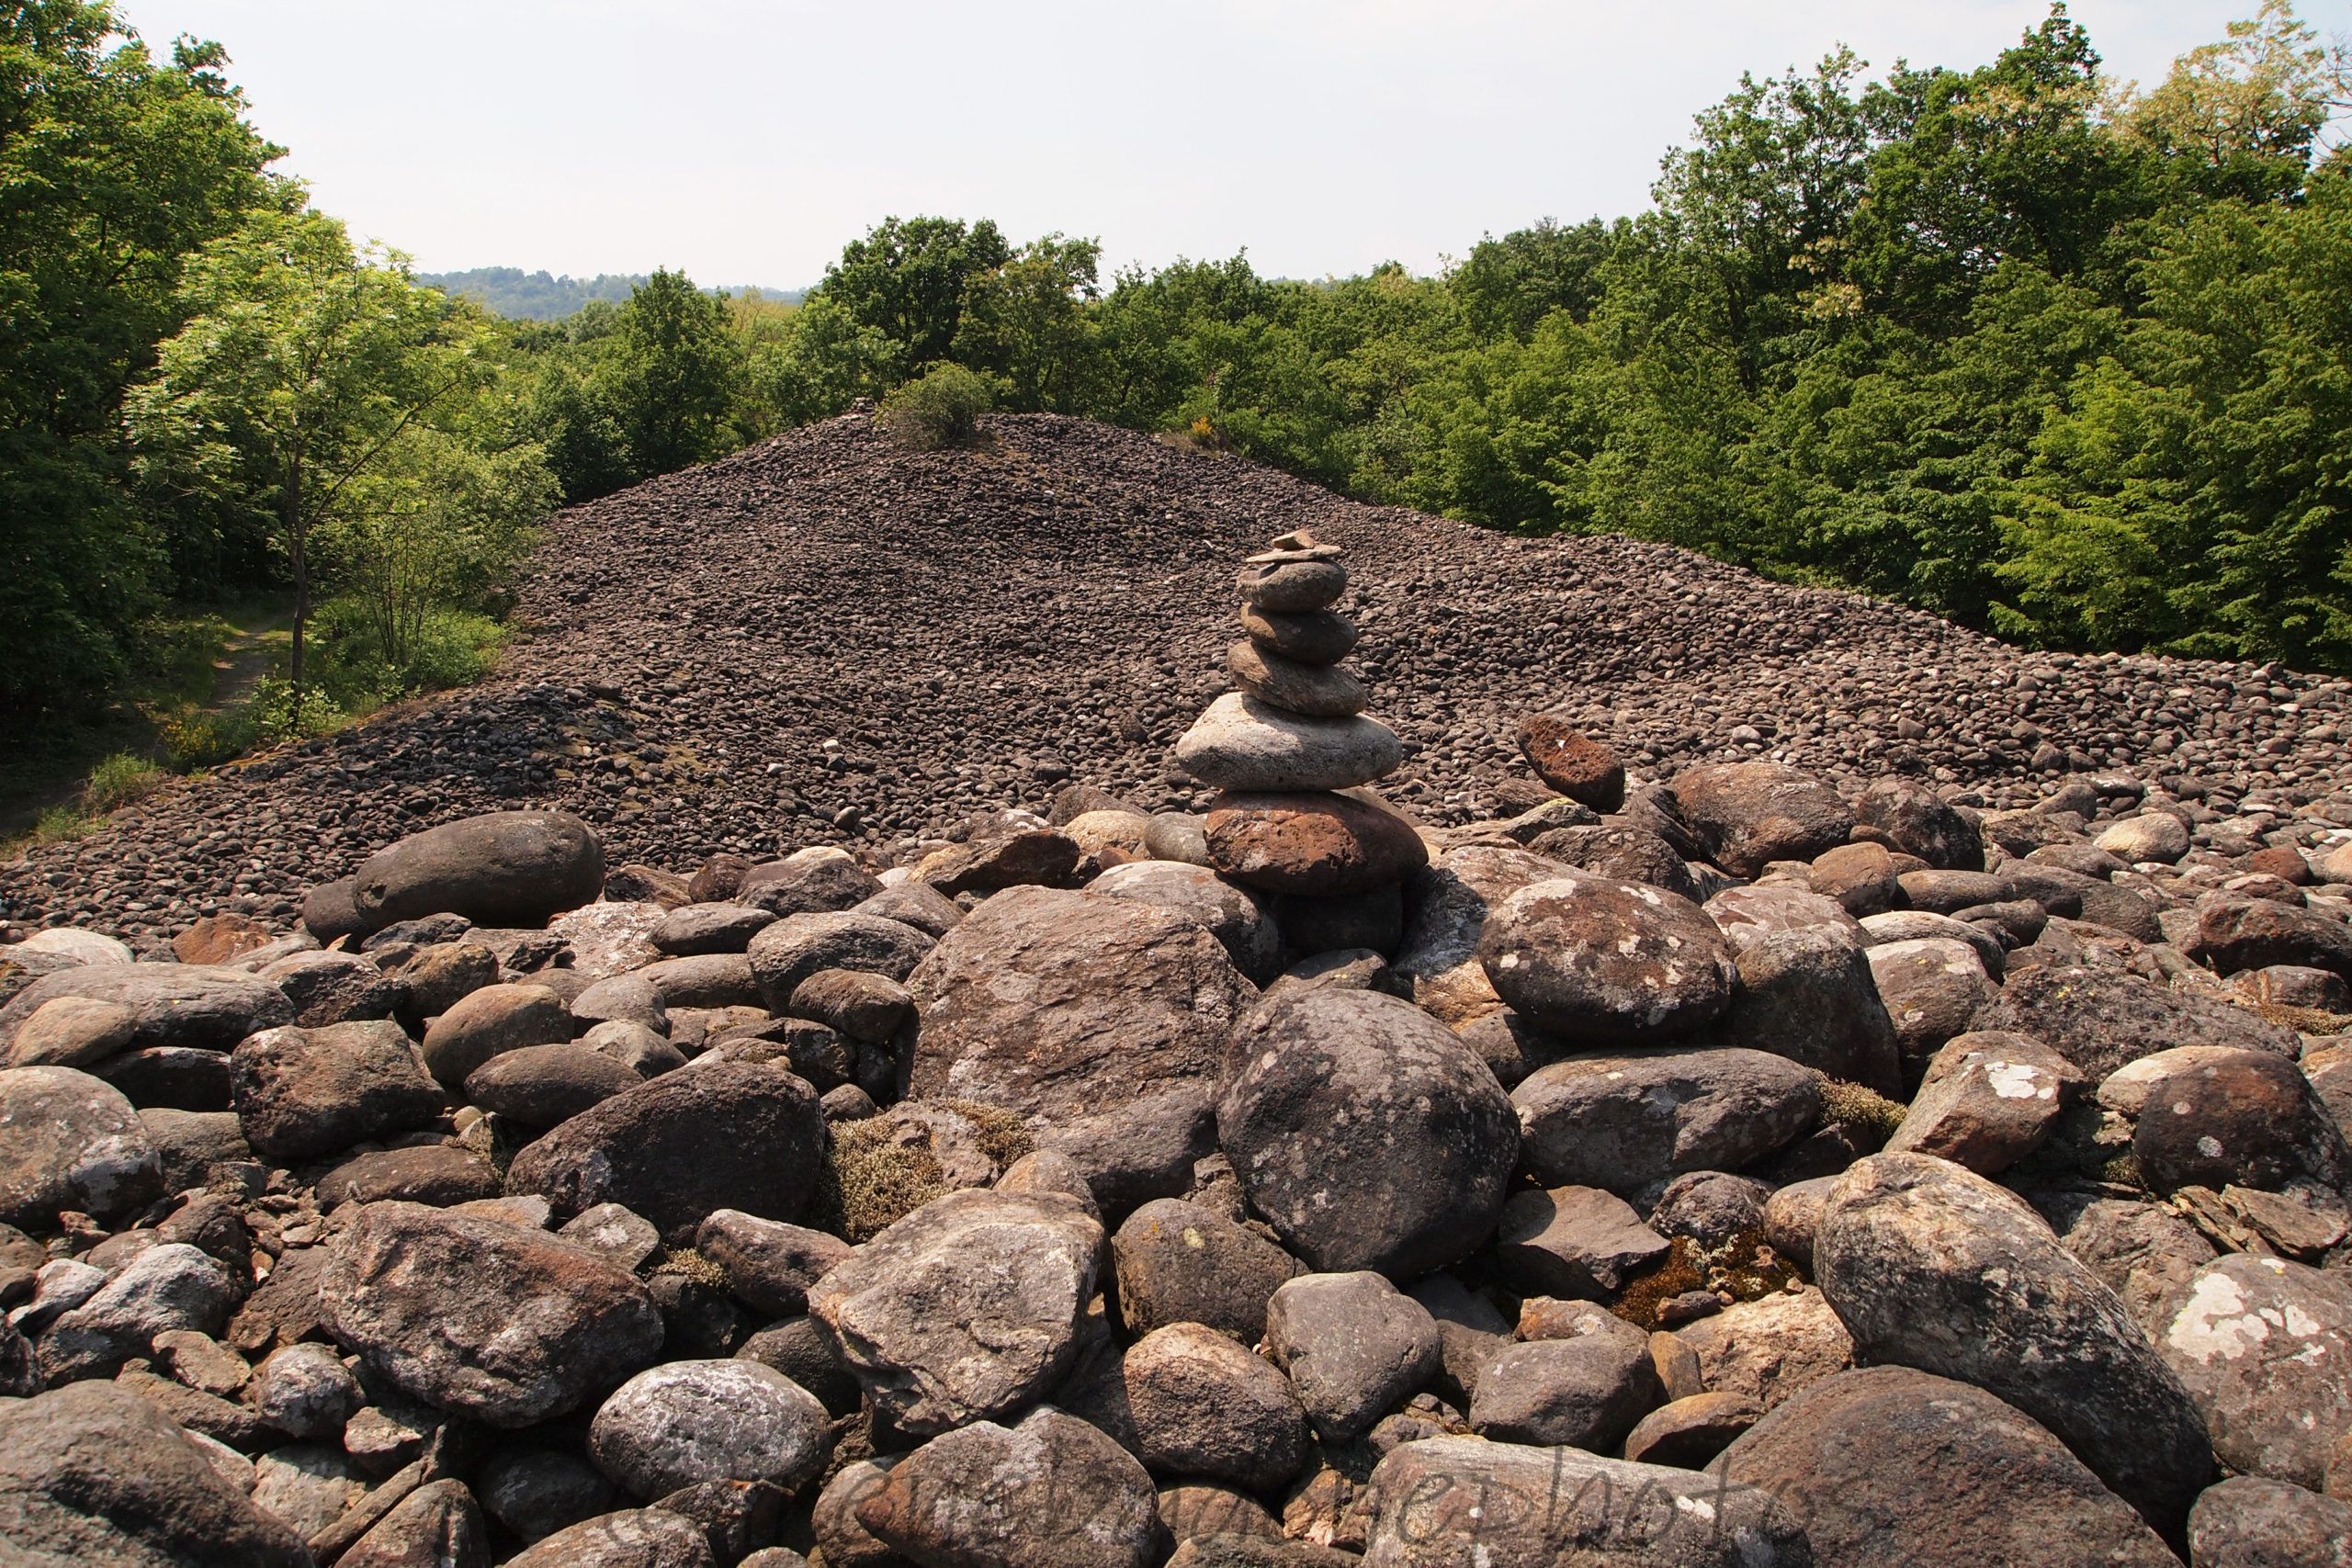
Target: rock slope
x,y
825,639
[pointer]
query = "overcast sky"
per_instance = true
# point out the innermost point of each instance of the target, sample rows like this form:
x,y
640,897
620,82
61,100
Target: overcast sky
x,y
745,141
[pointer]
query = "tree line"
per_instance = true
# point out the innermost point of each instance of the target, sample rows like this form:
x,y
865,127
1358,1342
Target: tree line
x,y
2015,343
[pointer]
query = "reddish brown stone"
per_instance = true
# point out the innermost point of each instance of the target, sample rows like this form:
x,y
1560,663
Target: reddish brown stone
x,y
1572,762
220,939
1320,845
2286,864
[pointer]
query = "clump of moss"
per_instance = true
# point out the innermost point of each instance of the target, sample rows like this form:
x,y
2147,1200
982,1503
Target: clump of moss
x,y
1868,1114
2123,1170
1003,1137
2303,1020
694,1267
1681,1270
871,1181
1748,1268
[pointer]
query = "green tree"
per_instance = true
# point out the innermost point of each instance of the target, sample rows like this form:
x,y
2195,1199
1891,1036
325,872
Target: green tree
x,y
2241,117
113,168
302,370
906,280
671,375
1025,321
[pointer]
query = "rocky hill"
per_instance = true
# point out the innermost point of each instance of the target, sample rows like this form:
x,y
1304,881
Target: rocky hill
x,y
825,639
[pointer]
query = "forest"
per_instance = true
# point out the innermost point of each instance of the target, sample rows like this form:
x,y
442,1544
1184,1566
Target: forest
x,y
2015,342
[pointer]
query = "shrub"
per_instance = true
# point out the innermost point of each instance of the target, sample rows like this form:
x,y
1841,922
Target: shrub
x,y
448,647
119,780
194,739
61,823
941,408
278,711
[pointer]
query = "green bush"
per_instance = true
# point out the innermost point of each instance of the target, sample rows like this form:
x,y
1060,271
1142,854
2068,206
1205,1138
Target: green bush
x,y
194,739
451,647
280,712
940,407
60,823
119,780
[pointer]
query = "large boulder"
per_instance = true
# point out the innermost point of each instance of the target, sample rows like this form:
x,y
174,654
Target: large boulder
x,y
94,1476
303,1094
1354,1346
508,868
1894,1468
965,1310
2236,934
1595,960
479,1318
1050,1492
1809,995
2265,1346
717,1135
1061,1005
2248,1522
2211,1117
1315,844
1625,1120
1204,1407
1366,1133
171,1004
1467,1503
69,1141
2100,1018
1748,815
1931,1266
1918,821
1448,904
490,1022
1179,1262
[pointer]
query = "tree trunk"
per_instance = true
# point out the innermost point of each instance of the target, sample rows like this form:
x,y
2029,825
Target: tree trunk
x,y
298,556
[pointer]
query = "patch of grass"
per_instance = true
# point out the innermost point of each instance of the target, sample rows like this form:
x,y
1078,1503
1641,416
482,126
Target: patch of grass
x,y
1869,1114
1003,1137
119,780
2123,1170
2303,1020
694,1266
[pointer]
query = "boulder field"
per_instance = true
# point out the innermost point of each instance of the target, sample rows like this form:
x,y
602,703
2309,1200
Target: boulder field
x,y
1774,1154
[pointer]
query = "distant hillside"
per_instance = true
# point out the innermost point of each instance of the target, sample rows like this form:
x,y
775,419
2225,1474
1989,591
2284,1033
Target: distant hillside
x,y
535,296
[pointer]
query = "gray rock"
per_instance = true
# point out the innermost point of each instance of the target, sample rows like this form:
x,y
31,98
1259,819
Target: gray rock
x,y
1455,1502
1748,815
508,868
69,1141
769,1266
2265,1348
303,1094
679,1147
1585,1390
1987,1102
1809,995
1352,1346
508,1327
1056,1005
1204,1407
1232,914
1931,1266
1915,820
633,1046
2142,1252
1050,1492
819,880
685,1422
169,1286
2247,1522
966,1309
438,1523
1365,1131
1241,743
93,1475
537,1492
72,1031
305,1391
1592,959
493,1019
1448,905
789,951
709,980
1621,1122
174,1004
1890,1468
1572,1242
1933,988
545,1086
634,1538
2101,1018
1178,1262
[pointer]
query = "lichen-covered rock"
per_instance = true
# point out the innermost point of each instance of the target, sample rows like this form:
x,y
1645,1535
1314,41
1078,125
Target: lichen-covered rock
x,y
1050,1492
685,1422
505,1325
2264,1348
966,1310
301,1094
1930,1266
1365,1131
1624,1121
1594,960
71,1141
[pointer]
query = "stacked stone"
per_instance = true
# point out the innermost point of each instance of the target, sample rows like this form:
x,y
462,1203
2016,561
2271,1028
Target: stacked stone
x,y
1283,747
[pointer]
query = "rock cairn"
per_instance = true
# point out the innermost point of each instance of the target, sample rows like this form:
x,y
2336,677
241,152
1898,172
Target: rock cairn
x,y
1289,753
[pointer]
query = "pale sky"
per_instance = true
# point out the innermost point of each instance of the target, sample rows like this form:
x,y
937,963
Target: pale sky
x,y
746,142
